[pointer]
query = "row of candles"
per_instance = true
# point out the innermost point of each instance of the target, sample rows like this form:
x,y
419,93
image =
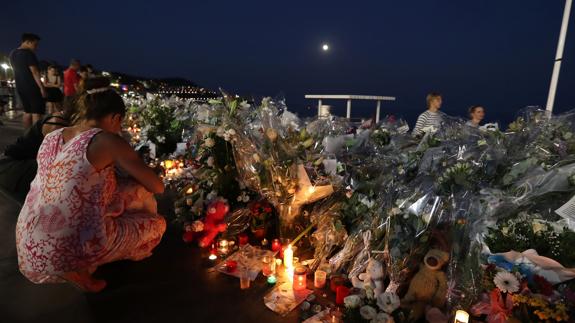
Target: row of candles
x,y
297,275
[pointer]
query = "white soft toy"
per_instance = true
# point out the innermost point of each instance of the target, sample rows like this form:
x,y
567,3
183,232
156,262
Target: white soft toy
x,y
372,277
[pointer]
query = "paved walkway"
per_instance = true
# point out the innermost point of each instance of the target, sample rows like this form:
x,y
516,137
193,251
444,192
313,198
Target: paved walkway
x,y
176,284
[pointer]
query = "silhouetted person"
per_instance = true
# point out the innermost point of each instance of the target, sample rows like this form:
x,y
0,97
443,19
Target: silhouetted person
x,y
28,81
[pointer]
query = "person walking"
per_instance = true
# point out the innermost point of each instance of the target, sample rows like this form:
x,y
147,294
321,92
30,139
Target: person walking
x,y
29,85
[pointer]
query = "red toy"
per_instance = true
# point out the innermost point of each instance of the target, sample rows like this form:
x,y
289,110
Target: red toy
x,y
214,222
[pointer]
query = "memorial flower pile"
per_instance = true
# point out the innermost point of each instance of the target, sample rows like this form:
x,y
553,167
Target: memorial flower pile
x,y
464,219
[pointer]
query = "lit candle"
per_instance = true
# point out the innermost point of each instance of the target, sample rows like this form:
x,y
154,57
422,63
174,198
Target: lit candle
x,y
288,257
461,317
276,245
190,190
168,164
213,253
319,279
300,278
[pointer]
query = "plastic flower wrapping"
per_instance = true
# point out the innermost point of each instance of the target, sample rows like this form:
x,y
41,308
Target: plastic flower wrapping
x,y
462,219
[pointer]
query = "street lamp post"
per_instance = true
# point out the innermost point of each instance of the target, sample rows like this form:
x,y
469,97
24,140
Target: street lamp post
x,y
558,57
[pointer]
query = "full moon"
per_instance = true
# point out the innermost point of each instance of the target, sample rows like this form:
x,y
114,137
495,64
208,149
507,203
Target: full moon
x,y
325,47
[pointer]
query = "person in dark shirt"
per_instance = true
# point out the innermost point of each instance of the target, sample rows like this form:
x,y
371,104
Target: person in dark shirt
x,y
28,82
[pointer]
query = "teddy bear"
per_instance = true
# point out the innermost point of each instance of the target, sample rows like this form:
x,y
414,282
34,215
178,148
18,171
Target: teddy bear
x,y
372,277
214,222
428,286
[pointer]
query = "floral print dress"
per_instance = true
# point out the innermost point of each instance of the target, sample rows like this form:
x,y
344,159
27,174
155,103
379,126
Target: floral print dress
x,y
77,218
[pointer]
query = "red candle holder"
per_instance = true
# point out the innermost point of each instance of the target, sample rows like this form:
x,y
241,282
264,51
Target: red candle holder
x,y
276,245
335,282
243,239
300,278
341,293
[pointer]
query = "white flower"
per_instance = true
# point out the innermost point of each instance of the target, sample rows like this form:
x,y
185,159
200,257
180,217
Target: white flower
x,y
382,318
231,132
388,302
352,301
506,282
209,142
368,312
161,139
246,198
211,161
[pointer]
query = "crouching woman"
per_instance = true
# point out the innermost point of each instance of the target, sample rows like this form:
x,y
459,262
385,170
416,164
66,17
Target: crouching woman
x,y
77,214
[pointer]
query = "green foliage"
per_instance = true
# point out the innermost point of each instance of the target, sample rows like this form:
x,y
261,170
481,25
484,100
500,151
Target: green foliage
x,y
164,130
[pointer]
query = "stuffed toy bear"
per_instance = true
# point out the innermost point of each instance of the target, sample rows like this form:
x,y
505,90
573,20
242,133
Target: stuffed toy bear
x,y
372,277
214,222
428,286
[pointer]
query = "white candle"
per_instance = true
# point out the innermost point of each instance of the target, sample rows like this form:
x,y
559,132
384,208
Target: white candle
x,y
461,317
288,257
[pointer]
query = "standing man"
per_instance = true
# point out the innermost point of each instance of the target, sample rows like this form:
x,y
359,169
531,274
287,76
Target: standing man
x,y
28,83
430,120
71,78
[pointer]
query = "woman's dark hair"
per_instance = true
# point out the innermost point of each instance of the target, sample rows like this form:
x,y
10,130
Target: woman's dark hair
x,y
99,100
30,37
473,108
83,69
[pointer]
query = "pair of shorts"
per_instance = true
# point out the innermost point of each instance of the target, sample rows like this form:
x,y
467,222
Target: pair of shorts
x,y
54,95
32,102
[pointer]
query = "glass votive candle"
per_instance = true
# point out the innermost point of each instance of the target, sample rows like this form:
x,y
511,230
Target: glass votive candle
x,y
276,245
300,278
335,282
268,266
244,280
319,279
461,316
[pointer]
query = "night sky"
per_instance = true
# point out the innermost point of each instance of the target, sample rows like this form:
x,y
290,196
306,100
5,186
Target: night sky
x,y
496,53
